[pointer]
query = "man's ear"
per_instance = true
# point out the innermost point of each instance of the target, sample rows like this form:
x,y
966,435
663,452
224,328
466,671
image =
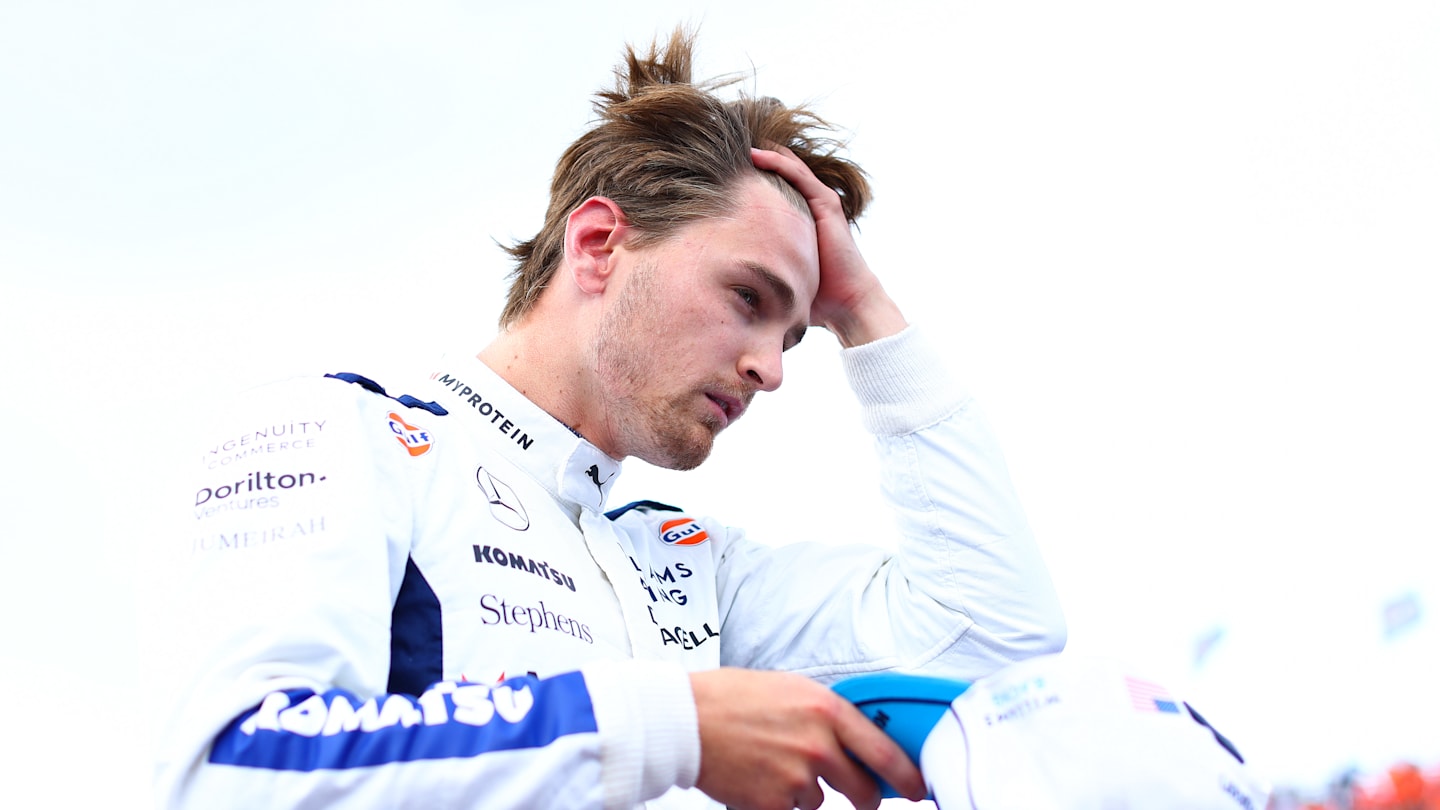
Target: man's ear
x,y
593,232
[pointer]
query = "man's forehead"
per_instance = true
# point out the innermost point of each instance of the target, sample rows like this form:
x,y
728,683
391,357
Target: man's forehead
x,y
758,204
791,194
764,210
769,187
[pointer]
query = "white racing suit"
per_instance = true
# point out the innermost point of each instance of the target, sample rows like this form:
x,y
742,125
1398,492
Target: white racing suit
x,y
422,602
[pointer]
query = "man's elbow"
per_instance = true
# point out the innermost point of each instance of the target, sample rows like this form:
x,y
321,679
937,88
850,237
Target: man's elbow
x,y
1053,637
1045,634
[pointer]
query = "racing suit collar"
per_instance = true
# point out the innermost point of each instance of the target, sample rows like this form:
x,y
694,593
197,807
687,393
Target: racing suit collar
x,y
576,472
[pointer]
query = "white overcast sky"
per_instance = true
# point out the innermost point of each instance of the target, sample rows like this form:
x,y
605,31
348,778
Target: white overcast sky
x,y
1184,254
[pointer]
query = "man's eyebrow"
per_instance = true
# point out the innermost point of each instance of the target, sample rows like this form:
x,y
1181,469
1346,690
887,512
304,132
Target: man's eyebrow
x,y
784,293
776,284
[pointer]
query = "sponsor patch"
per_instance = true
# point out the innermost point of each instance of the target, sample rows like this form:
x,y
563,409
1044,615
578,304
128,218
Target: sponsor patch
x,y
254,491
1149,697
682,532
485,408
299,730
539,568
505,505
499,611
255,538
416,440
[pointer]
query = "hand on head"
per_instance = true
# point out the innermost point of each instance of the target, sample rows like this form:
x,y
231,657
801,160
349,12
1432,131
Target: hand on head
x,y
851,302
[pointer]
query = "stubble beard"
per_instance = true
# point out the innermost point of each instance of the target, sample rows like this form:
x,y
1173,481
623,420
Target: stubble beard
x,y
665,432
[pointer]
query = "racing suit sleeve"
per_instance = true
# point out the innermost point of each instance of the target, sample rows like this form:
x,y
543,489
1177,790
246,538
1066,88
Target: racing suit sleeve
x,y
279,646
966,590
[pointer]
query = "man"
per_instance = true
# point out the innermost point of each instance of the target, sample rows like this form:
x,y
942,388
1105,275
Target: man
x,y
428,601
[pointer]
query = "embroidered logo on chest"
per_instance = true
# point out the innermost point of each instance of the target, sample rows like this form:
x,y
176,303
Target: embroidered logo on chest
x,y
505,505
416,440
682,532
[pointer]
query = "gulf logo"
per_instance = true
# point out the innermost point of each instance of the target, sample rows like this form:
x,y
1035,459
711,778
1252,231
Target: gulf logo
x,y
682,532
415,440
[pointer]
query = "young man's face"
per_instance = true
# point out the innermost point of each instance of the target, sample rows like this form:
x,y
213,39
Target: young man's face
x,y
697,326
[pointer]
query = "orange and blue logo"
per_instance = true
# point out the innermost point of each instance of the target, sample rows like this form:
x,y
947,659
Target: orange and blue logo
x,y
416,440
682,532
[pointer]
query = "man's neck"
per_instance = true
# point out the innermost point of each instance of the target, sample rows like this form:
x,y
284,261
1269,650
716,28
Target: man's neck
x,y
541,368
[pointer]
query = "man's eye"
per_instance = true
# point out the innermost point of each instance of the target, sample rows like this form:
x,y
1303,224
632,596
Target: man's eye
x,y
749,296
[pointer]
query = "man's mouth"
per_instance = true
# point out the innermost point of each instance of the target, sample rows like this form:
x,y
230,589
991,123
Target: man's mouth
x,y
730,407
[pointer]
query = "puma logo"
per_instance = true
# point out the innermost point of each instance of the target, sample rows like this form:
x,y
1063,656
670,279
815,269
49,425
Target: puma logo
x,y
594,473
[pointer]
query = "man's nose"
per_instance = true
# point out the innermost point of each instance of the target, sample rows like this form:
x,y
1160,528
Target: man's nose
x,y
763,367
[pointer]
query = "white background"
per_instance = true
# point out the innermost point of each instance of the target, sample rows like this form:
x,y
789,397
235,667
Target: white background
x,y
1183,254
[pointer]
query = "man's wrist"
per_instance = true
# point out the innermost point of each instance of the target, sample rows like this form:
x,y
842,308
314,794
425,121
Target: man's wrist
x,y
902,383
877,316
650,737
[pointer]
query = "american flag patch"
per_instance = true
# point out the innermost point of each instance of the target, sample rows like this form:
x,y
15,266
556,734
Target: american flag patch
x,y
1149,697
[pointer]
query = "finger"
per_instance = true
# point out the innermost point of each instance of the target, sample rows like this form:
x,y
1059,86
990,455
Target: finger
x,y
853,783
789,166
811,798
870,745
777,148
771,154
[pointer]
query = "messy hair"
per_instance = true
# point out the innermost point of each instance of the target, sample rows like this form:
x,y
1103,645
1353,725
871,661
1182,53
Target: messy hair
x,y
668,151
